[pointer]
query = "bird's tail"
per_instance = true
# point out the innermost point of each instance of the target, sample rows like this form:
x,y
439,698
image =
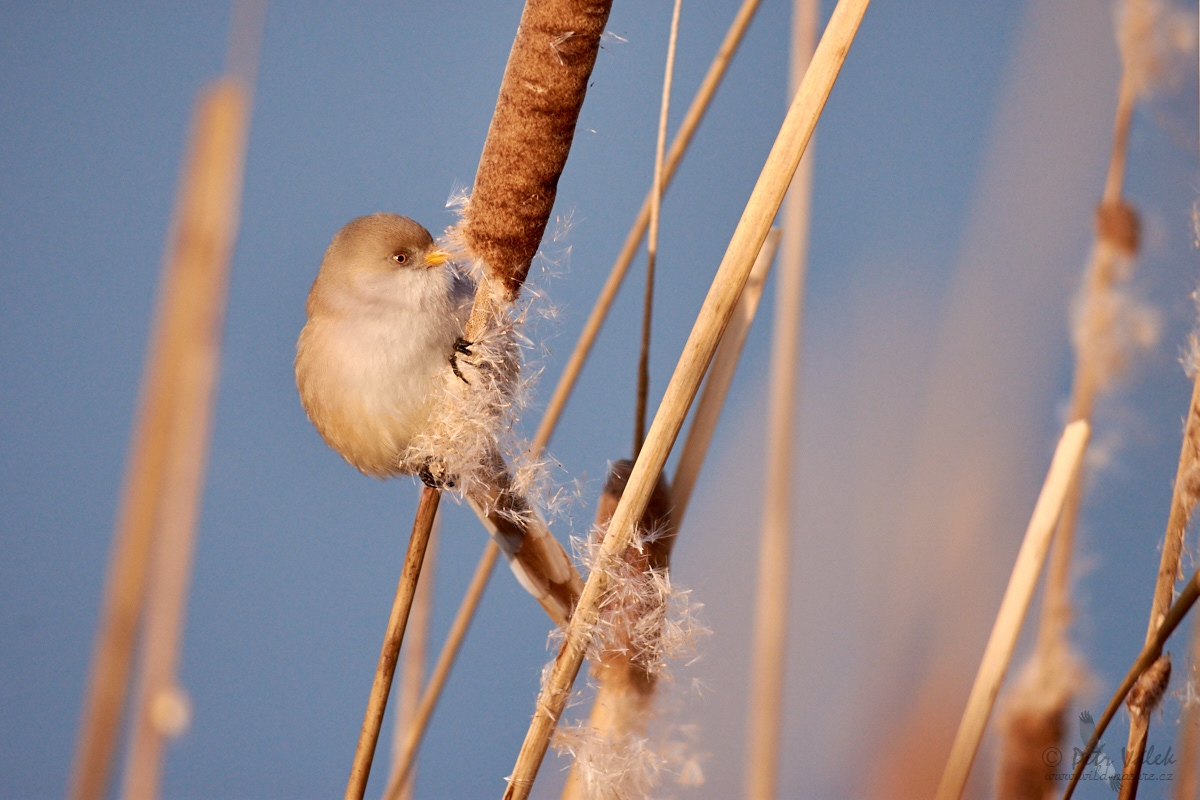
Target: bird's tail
x,y
537,559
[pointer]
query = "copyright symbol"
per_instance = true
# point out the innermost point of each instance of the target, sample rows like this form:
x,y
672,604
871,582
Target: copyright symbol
x,y
1051,757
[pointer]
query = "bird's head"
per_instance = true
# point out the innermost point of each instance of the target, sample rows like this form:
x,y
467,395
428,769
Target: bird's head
x,y
380,259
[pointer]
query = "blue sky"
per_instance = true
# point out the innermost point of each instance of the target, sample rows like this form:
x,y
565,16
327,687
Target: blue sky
x,y
919,196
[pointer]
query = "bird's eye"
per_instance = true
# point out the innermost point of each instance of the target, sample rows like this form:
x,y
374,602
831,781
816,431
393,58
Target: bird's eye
x,y
400,258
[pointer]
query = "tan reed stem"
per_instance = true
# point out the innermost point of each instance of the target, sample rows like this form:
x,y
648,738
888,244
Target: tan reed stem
x,y
656,192
1151,653
1183,500
165,473
764,714
1021,584
413,673
679,145
1187,784
1101,275
203,242
714,315
441,671
720,376
364,753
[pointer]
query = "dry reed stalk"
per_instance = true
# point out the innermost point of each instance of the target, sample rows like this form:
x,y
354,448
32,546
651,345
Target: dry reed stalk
x,y
714,315
626,683
437,679
1021,584
1187,783
624,698
1144,23
413,675
1148,662
1183,501
368,737
203,242
764,715
679,145
720,376
656,192
166,467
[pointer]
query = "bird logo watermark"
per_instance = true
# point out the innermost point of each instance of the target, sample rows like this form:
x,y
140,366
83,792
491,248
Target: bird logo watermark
x,y
1100,766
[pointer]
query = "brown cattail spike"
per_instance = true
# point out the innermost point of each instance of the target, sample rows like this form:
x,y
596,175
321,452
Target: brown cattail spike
x,y
1146,694
657,524
530,135
1117,224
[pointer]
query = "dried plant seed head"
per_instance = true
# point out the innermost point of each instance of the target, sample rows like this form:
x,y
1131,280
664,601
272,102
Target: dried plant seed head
x,y
530,136
1032,718
1118,224
1146,694
657,524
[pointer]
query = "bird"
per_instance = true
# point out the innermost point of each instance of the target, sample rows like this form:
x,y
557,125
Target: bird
x,y
387,314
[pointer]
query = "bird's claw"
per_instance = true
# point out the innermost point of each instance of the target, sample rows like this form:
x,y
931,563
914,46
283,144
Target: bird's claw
x,y
434,481
461,347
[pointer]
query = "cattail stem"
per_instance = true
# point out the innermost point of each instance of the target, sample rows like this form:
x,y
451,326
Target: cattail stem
x,y
1018,594
716,384
706,333
165,474
364,753
679,145
656,192
1151,652
412,676
441,671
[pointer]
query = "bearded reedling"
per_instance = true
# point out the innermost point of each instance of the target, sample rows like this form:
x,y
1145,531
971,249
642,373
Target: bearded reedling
x,y
386,317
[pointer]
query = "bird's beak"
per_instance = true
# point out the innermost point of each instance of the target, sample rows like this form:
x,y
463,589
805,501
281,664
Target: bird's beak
x,y
435,258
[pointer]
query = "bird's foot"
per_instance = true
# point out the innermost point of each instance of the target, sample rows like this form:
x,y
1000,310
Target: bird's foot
x,y
434,481
461,347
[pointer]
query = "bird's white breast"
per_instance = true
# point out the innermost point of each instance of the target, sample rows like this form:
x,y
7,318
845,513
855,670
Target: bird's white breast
x,y
367,371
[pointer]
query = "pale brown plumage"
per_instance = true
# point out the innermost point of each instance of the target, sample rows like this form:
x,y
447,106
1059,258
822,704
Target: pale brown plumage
x,y
385,315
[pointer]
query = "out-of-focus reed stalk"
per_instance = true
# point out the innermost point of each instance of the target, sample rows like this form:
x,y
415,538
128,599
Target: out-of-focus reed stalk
x,y
656,192
163,484
368,737
1146,680
714,315
1017,596
203,241
716,384
412,676
768,661
587,337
